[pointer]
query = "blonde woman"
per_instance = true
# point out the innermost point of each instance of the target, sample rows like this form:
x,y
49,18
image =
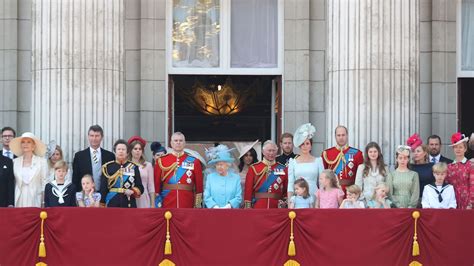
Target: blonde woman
x,y
30,170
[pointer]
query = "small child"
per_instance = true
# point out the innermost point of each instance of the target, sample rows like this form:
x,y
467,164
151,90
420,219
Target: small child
x,y
352,201
302,199
87,197
59,192
329,195
439,195
379,200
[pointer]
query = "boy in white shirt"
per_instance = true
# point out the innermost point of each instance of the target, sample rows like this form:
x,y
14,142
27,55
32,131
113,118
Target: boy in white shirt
x,y
439,195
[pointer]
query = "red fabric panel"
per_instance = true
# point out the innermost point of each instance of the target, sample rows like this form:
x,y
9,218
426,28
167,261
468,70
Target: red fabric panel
x,y
80,236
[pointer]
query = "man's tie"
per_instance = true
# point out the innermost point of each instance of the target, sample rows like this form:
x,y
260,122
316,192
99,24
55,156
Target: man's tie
x,y
433,160
94,157
9,154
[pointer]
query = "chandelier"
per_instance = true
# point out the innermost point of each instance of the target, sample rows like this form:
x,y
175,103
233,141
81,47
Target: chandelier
x,y
219,99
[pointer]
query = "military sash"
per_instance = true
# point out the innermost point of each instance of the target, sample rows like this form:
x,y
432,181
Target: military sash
x,y
348,156
180,172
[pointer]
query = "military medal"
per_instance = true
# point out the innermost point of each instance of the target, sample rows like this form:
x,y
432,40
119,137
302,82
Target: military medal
x,y
275,186
279,180
350,173
127,185
189,173
189,180
350,164
131,179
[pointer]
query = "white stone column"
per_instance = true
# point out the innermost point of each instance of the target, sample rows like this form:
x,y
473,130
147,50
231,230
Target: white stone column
x,y
373,71
77,71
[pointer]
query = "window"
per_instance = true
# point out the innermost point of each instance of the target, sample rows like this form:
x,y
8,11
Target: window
x,y
466,43
225,37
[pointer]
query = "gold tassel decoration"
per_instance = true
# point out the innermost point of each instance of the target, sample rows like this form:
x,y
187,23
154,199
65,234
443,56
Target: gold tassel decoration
x,y
416,247
291,245
42,246
168,250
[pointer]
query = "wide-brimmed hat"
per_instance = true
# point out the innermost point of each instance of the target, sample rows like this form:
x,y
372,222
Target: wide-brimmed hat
x,y
137,138
15,145
244,148
414,141
304,132
221,153
458,138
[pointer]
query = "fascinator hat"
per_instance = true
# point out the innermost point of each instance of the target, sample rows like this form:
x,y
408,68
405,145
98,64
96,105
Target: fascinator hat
x,y
40,147
221,153
458,138
304,132
403,149
50,149
414,141
156,147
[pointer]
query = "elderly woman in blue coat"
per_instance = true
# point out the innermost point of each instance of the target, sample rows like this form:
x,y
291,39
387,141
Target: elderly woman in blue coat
x,y
222,189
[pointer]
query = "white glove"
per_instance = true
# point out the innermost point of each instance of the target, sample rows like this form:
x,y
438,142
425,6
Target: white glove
x,y
227,206
216,207
128,192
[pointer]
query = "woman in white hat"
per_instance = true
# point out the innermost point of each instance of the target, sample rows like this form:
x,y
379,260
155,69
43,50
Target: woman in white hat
x,y
305,165
461,173
30,170
222,189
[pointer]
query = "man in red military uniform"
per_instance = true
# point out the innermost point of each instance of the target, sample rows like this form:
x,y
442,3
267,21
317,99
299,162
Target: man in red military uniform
x,y
342,159
266,181
178,177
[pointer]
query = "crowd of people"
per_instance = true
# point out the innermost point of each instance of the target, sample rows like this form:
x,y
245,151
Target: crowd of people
x,y
35,175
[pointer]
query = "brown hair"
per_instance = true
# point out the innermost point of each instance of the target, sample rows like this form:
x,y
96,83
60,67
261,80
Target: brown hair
x,y
380,162
301,182
355,189
329,174
58,148
285,135
132,146
427,153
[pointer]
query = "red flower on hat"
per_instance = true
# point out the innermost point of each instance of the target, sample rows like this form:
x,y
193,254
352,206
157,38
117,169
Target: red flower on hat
x,y
414,141
456,137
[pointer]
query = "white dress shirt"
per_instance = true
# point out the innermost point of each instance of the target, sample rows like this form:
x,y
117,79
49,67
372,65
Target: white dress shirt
x,y
431,197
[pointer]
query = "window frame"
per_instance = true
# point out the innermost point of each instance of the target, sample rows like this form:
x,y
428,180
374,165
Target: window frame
x,y
460,73
225,46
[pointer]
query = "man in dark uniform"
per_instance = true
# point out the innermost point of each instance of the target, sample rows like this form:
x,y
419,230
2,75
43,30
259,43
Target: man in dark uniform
x,y
120,181
286,146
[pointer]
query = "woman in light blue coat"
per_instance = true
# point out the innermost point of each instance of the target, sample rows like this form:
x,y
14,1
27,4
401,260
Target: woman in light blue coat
x,y
222,189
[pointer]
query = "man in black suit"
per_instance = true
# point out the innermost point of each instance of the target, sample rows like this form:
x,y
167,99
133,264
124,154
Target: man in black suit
x,y
434,146
7,182
8,134
90,160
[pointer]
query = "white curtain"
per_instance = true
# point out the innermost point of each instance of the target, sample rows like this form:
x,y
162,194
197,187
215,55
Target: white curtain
x,y
467,44
254,34
196,30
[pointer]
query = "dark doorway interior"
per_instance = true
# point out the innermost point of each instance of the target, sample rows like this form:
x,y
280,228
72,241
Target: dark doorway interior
x,y
466,108
245,113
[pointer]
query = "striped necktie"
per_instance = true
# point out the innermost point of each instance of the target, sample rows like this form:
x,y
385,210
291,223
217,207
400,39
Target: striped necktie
x,y
433,160
9,154
94,157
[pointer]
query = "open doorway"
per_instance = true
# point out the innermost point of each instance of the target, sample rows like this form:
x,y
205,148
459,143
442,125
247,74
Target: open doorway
x,y
218,108
465,108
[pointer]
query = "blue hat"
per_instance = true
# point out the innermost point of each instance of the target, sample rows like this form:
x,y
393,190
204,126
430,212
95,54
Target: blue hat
x,y
219,154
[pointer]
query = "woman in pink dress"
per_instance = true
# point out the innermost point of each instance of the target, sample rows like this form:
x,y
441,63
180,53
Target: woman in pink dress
x,y
461,173
137,146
